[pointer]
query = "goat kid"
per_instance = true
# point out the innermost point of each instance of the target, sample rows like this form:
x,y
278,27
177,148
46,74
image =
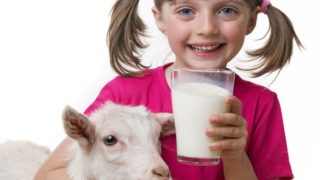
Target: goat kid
x,y
114,142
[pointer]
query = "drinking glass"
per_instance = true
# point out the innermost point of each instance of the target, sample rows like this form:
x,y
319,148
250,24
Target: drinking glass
x,y
196,95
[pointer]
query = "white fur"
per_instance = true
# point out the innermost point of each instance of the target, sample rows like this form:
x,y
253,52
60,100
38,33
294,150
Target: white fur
x,y
19,160
136,155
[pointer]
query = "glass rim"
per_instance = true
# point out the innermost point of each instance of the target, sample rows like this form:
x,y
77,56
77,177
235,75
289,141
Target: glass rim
x,y
226,71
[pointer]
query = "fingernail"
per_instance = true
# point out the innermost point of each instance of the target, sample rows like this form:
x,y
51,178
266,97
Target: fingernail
x,y
209,131
213,119
213,147
229,99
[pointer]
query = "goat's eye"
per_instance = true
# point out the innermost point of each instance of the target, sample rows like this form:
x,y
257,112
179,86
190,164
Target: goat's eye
x,y
110,140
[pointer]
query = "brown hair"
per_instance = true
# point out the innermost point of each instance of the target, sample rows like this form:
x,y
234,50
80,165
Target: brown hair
x,y
126,29
277,51
124,42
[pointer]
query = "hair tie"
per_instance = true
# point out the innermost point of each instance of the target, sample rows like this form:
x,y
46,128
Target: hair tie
x,y
264,6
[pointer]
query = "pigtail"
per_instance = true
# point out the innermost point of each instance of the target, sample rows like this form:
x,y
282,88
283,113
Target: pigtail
x,y
277,51
123,38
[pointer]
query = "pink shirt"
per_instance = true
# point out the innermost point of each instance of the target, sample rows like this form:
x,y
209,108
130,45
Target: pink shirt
x,y
266,145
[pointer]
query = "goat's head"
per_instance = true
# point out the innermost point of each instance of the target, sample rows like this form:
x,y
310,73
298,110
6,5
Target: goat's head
x,y
120,141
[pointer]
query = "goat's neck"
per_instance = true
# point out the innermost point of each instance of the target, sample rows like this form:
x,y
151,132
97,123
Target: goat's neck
x,y
80,163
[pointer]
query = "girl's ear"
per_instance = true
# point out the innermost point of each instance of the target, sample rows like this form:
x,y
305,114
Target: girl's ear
x,y
252,21
158,17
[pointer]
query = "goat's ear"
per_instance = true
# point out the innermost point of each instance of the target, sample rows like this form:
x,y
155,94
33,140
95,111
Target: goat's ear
x,y
78,127
166,122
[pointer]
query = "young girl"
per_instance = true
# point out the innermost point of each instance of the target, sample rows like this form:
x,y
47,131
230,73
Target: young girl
x,y
203,34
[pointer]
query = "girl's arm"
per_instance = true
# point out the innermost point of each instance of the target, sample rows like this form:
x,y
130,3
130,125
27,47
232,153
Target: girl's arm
x,y
55,166
233,128
238,169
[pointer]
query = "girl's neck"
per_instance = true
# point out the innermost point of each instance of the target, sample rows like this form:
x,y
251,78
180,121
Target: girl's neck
x,y
167,74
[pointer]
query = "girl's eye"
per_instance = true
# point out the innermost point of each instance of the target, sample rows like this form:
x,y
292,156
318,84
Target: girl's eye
x,y
185,12
110,140
228,11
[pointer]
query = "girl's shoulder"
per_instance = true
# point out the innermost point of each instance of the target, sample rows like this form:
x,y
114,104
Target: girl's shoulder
x,y
246,90
258,102
127,90
151,82
151,76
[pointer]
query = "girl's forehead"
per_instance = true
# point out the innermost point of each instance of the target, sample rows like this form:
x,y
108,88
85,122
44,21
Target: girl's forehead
x,y
209,0
213,1
159,3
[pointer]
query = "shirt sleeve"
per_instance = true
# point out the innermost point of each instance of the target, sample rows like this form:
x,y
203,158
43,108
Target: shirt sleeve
x,y
268,149
107,93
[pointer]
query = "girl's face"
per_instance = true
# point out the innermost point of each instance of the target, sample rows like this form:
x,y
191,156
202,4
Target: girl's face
x,y
205,34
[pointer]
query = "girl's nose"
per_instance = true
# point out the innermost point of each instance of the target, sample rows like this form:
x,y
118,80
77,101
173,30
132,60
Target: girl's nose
x,y
207,25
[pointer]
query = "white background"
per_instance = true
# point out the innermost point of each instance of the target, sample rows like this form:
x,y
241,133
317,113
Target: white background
x,y
53,53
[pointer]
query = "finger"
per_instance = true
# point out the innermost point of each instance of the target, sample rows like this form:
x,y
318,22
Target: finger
x,y
227,119
231,144
226,132
235,104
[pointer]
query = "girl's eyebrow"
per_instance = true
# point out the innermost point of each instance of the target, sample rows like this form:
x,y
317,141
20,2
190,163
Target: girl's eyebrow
x,y
235,1
184,1
238,1
180,1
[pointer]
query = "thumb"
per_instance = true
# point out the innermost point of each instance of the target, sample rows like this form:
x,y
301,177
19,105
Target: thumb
x,y
235,105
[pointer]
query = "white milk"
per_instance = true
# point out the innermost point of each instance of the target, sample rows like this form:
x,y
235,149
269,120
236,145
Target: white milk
x,y
193,104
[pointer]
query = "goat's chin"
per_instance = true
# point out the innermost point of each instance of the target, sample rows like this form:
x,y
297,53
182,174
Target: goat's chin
x,y
147,177
156,178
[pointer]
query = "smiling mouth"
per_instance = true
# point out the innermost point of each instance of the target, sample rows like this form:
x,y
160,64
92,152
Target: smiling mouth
x,y
205,49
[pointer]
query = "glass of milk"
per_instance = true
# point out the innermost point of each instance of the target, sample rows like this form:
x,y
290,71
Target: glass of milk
x,y
196,95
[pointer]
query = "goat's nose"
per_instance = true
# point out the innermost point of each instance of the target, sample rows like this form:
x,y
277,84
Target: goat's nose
x,y
160,171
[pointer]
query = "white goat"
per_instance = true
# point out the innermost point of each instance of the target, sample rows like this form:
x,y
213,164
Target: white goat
x,y
114,142
19,160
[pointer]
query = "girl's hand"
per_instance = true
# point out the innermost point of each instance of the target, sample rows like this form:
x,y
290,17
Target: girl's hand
x,y
232,127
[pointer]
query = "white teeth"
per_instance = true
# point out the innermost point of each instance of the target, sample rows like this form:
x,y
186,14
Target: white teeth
x,y
204,48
